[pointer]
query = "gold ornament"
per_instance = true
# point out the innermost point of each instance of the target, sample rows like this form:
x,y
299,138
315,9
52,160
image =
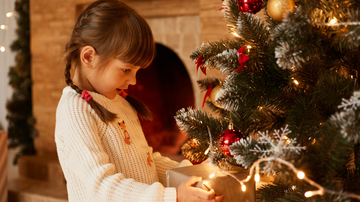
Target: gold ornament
x,y
277,8
215,94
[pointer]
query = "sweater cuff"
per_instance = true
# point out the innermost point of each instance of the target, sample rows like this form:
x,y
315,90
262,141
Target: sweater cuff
x,y
170,194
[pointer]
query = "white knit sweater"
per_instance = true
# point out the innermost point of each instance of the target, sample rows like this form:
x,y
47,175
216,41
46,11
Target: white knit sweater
x,y
97,162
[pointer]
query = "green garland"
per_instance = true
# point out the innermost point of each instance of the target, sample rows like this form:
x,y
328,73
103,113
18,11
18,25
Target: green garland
x,y
21,131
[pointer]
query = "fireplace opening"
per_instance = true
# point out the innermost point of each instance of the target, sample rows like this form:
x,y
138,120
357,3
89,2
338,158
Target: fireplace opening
x,y
165,87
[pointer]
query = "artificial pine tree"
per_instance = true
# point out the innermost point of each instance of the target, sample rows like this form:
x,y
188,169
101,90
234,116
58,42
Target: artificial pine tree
x,y
21,129
292,88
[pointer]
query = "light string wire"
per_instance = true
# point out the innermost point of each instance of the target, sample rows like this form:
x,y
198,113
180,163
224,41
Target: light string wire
x,y
256,165
335,24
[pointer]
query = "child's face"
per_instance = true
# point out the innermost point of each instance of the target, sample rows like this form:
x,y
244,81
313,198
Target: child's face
x,y
116,75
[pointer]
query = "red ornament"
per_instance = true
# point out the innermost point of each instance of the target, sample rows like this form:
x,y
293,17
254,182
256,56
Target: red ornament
x,y
200,63
250,6
208,93
242,58
227,138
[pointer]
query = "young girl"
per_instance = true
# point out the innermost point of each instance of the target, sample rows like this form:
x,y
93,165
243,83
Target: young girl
x,y
100,143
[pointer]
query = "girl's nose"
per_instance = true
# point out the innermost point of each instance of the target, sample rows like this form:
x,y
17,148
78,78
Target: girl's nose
x,y
132,79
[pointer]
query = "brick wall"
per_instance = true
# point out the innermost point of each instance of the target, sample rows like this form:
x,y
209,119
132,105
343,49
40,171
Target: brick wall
x,y
181,25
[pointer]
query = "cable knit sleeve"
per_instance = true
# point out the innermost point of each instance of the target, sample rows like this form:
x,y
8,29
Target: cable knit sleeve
x,y
86,165
164,163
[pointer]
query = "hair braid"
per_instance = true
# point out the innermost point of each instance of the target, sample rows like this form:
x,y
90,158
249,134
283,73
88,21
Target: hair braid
x,y
104,114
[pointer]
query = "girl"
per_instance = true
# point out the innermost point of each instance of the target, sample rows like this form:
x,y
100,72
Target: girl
x,y
100,143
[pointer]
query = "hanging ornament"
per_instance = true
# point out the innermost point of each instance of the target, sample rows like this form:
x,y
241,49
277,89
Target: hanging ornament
x,y
208,93
250,6
242,58
215,94
200,63
227,138
277,8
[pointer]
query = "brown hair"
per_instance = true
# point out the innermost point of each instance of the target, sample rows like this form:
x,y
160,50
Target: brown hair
x,y
114,30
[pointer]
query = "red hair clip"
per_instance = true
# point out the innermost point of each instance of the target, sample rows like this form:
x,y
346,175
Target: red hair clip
x,y
86,96
122,93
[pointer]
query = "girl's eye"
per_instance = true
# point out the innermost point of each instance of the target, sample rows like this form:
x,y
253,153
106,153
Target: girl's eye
x,y
126,70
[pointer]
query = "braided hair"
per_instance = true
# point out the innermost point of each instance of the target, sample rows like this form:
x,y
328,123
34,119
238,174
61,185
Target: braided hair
x,y
114,30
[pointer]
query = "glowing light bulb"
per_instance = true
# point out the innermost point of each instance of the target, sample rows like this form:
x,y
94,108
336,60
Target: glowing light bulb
x,y
293,187
257,178
243,188
248,47
301,175
313,193
308,194
333,21
286,140
9,14
207,151
2,48
235,34
3,27
296,82
212,175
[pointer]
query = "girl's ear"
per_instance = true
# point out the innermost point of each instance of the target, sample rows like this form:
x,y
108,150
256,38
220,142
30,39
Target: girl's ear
x,y
87,56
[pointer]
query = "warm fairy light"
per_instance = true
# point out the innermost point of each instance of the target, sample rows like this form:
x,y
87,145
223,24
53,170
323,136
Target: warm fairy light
x,y
352,77
207,151
313,193
212,175
235,34
308,194
248,48
301,175
2,48
3,27
9,14
257,178
243,188
333,21
293,187
286,139
296,82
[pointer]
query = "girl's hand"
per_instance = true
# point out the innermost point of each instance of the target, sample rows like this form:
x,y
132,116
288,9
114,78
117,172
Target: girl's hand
x,y
186,192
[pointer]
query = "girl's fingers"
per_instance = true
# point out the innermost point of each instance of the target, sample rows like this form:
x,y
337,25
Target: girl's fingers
x,y
192,180
205,194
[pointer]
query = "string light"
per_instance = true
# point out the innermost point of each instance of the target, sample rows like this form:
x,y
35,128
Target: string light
x,y
9,14
248,48
207,151
2,48
296,82
212,175
3,27
301,175
235,34
333,21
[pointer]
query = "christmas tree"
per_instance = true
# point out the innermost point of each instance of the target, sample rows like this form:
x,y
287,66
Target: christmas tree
x,y
292,93
21,128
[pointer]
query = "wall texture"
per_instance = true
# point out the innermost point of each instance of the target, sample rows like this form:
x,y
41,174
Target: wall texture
x,y
181,25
